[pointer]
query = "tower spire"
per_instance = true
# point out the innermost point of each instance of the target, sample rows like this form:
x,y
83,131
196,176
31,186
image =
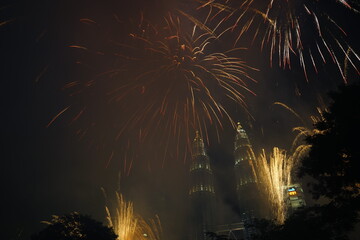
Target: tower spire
x,y
198,145
201,192
238,126
246,184
197,136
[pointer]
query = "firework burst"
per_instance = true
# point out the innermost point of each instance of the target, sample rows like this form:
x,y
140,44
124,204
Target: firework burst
x,y
167,81
304,29
181,82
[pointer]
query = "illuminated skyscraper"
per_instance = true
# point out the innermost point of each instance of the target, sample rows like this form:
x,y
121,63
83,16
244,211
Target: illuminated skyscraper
x,y
202,193
294,198
246,187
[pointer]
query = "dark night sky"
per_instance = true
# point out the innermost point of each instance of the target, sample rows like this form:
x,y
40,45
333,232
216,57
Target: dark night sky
x,y
47,171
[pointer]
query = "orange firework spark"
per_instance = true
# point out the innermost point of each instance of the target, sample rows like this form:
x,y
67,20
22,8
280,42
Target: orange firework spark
x,y
292,28
57,115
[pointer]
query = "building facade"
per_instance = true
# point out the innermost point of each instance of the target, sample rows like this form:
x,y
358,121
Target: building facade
x,y
247,188
294,198
201,192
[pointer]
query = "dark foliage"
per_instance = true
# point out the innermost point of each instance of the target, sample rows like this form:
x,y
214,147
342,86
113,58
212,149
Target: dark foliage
x,y
334,158
75,226
327,222
214,236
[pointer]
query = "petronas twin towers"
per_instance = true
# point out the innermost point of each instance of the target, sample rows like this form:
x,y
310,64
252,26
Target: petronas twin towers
x,y
202,191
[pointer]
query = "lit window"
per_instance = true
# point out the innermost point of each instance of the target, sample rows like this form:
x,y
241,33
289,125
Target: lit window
x,y
292,193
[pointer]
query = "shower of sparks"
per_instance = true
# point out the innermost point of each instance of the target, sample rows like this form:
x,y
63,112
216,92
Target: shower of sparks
x,y
167,81
129,226
303,29
274,174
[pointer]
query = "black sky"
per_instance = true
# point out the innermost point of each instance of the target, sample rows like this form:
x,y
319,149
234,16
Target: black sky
x,y
48,170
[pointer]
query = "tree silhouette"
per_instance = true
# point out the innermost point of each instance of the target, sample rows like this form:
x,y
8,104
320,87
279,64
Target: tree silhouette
x,y
74,226
334,158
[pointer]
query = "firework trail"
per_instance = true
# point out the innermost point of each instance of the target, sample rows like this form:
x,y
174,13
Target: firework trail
x,y
305,29
4,17
167,81
54,118
5,22
300,148
129,226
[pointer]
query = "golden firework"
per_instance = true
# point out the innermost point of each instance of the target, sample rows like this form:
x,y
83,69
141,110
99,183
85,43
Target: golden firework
x,y
129,226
